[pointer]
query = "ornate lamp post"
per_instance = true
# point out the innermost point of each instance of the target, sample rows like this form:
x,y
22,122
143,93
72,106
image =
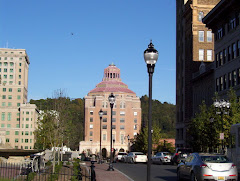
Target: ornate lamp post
x,y
100,113
222,107
111,100
150,57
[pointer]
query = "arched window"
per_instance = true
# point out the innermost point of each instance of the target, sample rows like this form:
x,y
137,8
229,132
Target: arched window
x,y
200,16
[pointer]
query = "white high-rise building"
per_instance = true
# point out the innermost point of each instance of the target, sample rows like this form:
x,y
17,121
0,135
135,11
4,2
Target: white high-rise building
x,y
18,118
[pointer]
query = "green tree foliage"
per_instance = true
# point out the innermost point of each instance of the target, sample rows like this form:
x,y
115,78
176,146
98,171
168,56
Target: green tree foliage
x,y
206,126
163,116
71,115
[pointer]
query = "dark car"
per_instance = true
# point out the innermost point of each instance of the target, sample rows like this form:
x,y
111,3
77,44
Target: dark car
x,y
180,154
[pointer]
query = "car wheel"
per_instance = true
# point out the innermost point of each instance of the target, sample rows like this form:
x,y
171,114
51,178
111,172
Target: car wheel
x,y
193,177
178,176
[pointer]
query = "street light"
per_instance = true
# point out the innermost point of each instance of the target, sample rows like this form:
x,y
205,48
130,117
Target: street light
x,y
111,100
150,57
100,113
222,107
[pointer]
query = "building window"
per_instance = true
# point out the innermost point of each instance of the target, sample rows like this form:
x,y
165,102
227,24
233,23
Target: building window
x,y
122,120
91,133
2,125
26,133
26,140
135,113
122,127
4,89
221,83
18,97
7,140
5,70
234,78
122,113
200,16
238,76
104,137
217,84
219,33
229,79
10,89
104,119
209,36
224,55
91,119
16,132
113,126
229,53
11,70
16,140
11,76
135,127
234,51
7,132
91,126
9,96
114,113
209,55
20,70
9,104
3,104
27,125
104,126
135,120
91,112
232,24
122,138
238,47
220,57
19,89
3,96
201,54
201,36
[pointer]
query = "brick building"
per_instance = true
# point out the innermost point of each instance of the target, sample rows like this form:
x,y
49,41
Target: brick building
x,y
126,114
194,53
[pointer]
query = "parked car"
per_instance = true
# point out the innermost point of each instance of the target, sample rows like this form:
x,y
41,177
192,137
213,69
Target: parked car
x,y
205,166
135,157
119,156
161,158
180,154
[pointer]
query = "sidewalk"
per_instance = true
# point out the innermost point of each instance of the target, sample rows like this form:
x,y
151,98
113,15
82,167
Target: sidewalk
x,y
103,175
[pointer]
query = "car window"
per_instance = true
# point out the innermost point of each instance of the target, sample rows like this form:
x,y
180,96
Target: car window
x,y
122,153
158,154
190,158
139,154
215,159
166,154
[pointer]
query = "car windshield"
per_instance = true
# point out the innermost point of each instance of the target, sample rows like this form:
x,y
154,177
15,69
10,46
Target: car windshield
x,y
166,154
215,159
122,153
139,154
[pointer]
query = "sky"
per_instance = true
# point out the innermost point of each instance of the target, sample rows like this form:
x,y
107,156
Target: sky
x,y
71,42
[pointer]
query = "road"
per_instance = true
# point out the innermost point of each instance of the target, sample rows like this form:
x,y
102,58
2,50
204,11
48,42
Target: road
x,y
138,172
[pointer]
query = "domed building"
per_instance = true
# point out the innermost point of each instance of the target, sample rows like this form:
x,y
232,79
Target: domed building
x,y
126,118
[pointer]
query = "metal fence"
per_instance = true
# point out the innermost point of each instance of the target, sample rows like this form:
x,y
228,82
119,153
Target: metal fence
x,y
23,172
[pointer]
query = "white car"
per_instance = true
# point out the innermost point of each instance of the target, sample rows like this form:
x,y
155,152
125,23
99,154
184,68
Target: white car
x,y
161,158
119,156
135,157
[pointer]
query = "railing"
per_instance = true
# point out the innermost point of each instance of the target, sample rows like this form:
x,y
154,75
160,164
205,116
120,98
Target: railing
x,y
68,171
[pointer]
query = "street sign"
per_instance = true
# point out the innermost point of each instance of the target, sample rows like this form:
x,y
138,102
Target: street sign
x,y
221,136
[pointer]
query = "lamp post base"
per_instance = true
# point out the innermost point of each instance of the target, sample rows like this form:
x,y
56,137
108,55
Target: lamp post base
x,y
110,168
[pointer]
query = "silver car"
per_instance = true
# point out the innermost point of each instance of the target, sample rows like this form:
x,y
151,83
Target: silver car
x,y
161,158
205,166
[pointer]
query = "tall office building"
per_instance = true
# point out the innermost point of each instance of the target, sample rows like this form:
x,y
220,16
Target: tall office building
x,y
194,51
18,118
126,114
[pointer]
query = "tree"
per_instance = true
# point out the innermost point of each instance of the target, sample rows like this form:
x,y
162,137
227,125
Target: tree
x,y
206,126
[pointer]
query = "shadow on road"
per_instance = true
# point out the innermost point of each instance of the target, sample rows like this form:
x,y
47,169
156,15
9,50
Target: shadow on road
x,y
167,178
172,170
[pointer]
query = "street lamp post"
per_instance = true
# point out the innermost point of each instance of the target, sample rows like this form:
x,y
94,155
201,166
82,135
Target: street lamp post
x,y
100,151
111,100
150,57
222,107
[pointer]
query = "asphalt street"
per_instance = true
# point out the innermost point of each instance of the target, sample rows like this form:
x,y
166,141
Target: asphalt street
x,y
138,172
